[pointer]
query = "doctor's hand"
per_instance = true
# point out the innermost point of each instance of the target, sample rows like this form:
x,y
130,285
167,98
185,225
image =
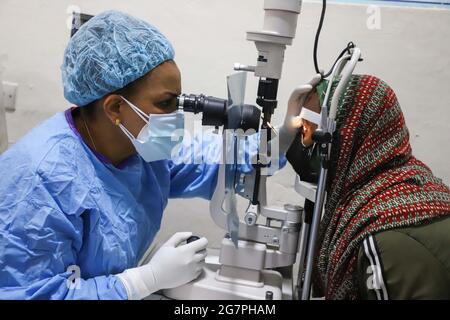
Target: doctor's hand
x,y
290,125
173,265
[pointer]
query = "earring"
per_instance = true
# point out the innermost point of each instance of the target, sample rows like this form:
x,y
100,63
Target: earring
x,y
117,122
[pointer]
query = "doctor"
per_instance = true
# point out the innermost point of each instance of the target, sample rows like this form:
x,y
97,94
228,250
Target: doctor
x,y
85,190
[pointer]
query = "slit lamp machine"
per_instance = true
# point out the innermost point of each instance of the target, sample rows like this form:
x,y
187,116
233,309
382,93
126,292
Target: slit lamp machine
x,y
256,260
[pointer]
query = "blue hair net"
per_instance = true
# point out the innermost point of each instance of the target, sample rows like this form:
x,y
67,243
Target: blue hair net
x,y
107,53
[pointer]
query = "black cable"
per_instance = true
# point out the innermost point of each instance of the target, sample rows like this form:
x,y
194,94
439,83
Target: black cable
x,y
316,40
350,45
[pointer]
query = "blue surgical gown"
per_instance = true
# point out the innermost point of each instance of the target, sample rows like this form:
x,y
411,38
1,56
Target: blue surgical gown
x,y
62,205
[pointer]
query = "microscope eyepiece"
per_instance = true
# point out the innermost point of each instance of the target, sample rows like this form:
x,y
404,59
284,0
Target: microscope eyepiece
x,y
191,103
214,109
216,112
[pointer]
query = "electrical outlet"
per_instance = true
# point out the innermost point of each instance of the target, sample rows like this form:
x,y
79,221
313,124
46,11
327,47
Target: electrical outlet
x,y
9,95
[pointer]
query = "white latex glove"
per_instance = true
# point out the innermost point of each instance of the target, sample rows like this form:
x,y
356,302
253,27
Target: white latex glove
x,y
287,131
172,265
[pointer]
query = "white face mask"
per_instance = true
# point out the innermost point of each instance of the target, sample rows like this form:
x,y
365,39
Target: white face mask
x,y
159,136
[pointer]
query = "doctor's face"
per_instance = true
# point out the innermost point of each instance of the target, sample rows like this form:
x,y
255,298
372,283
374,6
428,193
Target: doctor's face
x,y
154,93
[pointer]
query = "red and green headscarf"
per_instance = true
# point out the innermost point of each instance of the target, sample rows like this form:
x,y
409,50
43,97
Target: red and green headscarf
x,y
375,183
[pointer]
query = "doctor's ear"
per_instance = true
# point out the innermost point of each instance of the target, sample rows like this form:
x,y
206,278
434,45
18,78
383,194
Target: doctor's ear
x,y
113,106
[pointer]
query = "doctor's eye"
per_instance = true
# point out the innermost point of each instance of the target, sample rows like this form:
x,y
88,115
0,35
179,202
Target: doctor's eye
x,y
168,104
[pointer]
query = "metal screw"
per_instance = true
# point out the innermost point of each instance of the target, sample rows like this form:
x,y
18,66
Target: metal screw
x,y
250,218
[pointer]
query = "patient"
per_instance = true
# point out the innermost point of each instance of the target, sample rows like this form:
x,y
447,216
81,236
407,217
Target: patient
x,y
385,232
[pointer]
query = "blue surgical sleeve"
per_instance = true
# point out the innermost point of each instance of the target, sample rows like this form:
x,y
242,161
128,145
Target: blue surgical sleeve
x,y
194,172
38,244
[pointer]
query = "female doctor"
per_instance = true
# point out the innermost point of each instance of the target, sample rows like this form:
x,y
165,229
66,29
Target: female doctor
x,y
88,187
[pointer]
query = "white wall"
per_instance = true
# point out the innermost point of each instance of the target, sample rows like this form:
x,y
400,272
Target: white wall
x,y
411,52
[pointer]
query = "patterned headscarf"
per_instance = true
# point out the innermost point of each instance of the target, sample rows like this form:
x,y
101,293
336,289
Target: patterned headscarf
x,y
375,183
